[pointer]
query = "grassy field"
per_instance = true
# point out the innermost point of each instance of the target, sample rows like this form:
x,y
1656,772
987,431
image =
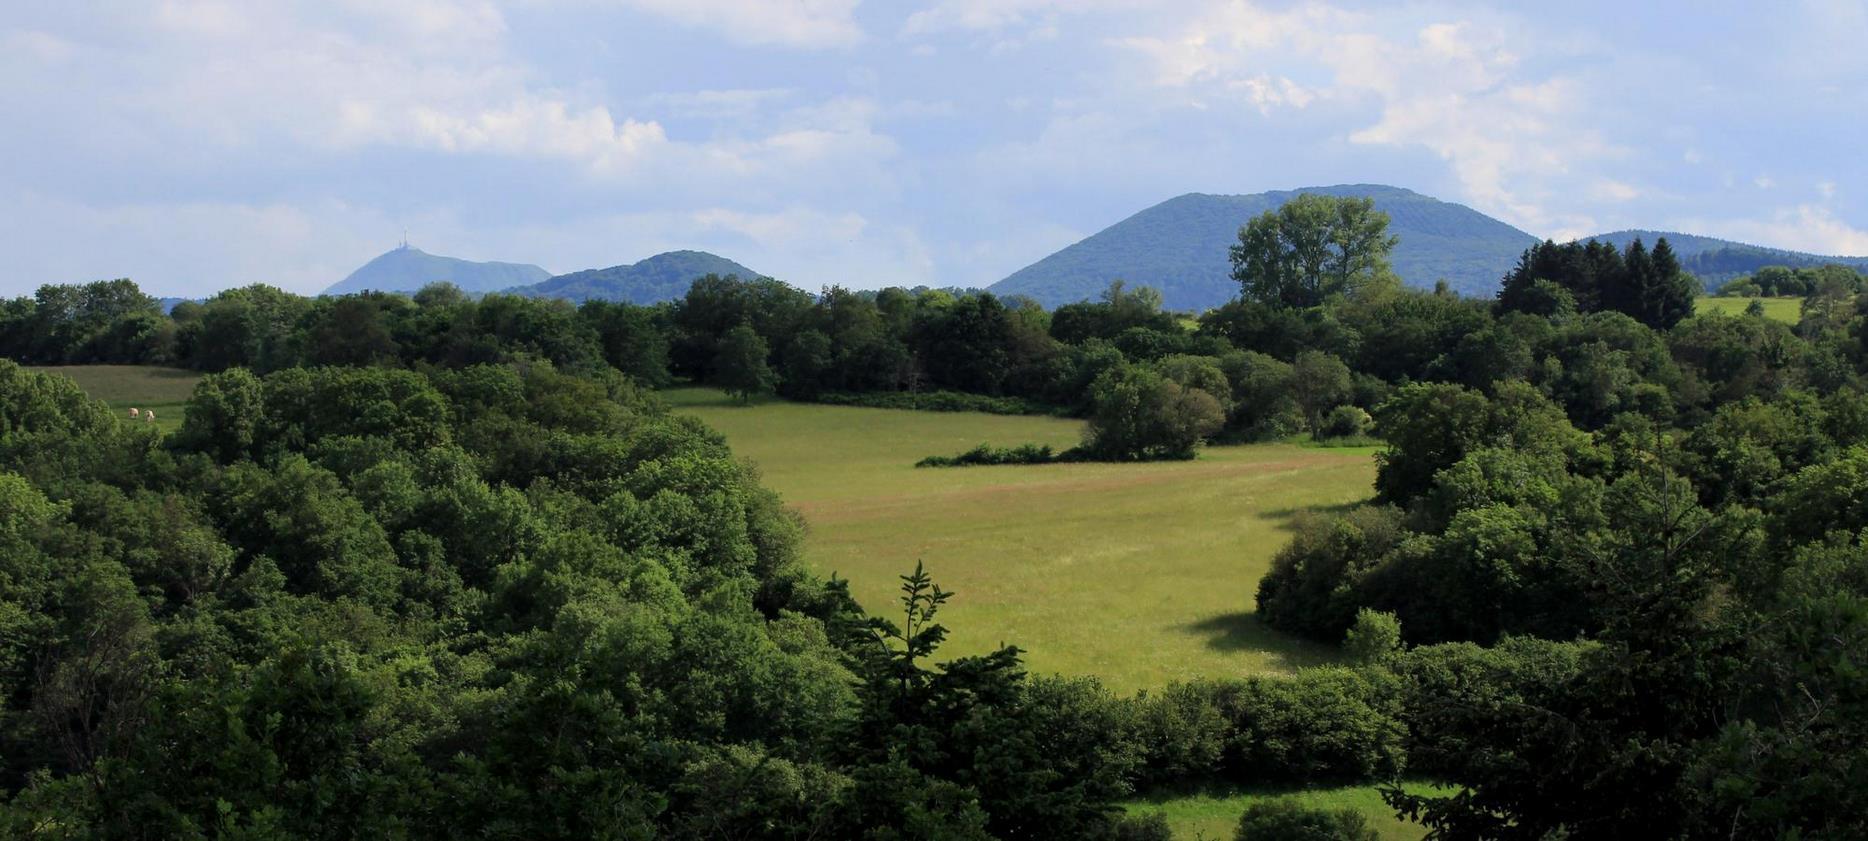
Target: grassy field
x,y
1787,310
1214,815
142,387
1139,574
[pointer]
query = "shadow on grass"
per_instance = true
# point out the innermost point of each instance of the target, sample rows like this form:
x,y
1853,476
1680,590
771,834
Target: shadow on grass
x,y
1286,518
1242,631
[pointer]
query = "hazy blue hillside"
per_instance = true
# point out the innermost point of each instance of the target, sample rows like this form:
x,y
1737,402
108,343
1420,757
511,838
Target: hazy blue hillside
x,y
1715,261
662,277
1180,247
409,269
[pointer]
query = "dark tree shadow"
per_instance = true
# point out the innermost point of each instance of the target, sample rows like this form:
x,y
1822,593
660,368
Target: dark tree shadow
x,y
1286,518
1242,631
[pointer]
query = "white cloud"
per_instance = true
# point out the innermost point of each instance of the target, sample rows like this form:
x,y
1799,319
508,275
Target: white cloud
x,y
1764,182
438,75
42,47
735,103
787,23
977,14
171,248
1453,87
1826,189
1805,227
1611,190
1269,92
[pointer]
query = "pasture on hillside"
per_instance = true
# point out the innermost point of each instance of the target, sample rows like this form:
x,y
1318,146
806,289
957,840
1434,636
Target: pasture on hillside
x,y
1138,574
122,387
1787,310
1214,815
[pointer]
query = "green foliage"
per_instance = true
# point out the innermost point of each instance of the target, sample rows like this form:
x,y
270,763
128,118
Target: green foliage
x,y
740,365
1140,415
1345,422
986,454
1284,819
1651,287
1375,637
1312,248
1319,381
935,401
364,602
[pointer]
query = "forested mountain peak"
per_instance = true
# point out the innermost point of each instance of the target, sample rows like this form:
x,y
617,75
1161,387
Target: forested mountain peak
x,y
407,269
1180,245
663,277
1715,261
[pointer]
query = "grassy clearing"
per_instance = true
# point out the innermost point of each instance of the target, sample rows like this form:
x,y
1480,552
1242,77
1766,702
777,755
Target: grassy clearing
x,y
1787,310
1139,574
124,386
1214,815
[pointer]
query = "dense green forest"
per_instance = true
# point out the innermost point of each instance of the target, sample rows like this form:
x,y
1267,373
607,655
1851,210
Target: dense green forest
x,y
441,566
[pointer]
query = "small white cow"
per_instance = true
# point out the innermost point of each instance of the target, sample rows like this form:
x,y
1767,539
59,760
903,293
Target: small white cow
x,y
150,416
134,413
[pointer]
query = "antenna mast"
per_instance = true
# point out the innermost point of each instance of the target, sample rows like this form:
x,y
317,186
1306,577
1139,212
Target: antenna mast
x,y
405,238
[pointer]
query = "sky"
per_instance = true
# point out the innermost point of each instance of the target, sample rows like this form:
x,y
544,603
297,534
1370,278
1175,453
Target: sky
x,y
196,145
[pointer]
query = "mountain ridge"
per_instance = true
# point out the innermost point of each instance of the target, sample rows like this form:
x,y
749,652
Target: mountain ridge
x,y
660,277
407,269
1180,247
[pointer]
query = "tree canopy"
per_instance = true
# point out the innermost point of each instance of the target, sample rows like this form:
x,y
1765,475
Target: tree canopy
x,y
1311,248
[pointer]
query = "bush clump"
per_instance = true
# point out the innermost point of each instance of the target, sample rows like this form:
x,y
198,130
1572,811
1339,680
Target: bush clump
x,y
936,401
1345,422
1285,819
986,454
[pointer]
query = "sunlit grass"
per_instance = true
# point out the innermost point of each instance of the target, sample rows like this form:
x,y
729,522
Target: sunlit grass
x,y
1213,815
122,387
1138,574
1787,310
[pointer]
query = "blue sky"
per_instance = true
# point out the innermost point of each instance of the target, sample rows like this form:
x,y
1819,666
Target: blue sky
x,y
198,144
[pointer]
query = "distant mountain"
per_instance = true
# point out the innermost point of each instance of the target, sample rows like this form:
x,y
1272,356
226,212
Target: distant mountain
x,y
408,269
1180,247
1715,261
663,277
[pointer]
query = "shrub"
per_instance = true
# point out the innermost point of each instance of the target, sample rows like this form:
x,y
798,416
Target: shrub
x,y
1182,734
1140,415
1285,819
1325,724
1345,422
1374,639
936,401
1310,587
986,454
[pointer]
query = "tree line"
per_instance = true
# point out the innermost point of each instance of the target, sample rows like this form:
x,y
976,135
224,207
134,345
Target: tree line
x,y
428,566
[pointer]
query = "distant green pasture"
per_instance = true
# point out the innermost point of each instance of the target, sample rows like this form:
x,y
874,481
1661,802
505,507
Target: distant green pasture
x,y
1214,815
1138,574
1787,310
165,390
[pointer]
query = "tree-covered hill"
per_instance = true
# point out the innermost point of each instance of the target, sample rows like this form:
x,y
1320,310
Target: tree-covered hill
x,y
1715,261
663,277
408,269
1179,246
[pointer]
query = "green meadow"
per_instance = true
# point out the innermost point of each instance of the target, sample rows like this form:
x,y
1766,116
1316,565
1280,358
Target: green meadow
x,y
1787,310
1138,574
1212,816
143,387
